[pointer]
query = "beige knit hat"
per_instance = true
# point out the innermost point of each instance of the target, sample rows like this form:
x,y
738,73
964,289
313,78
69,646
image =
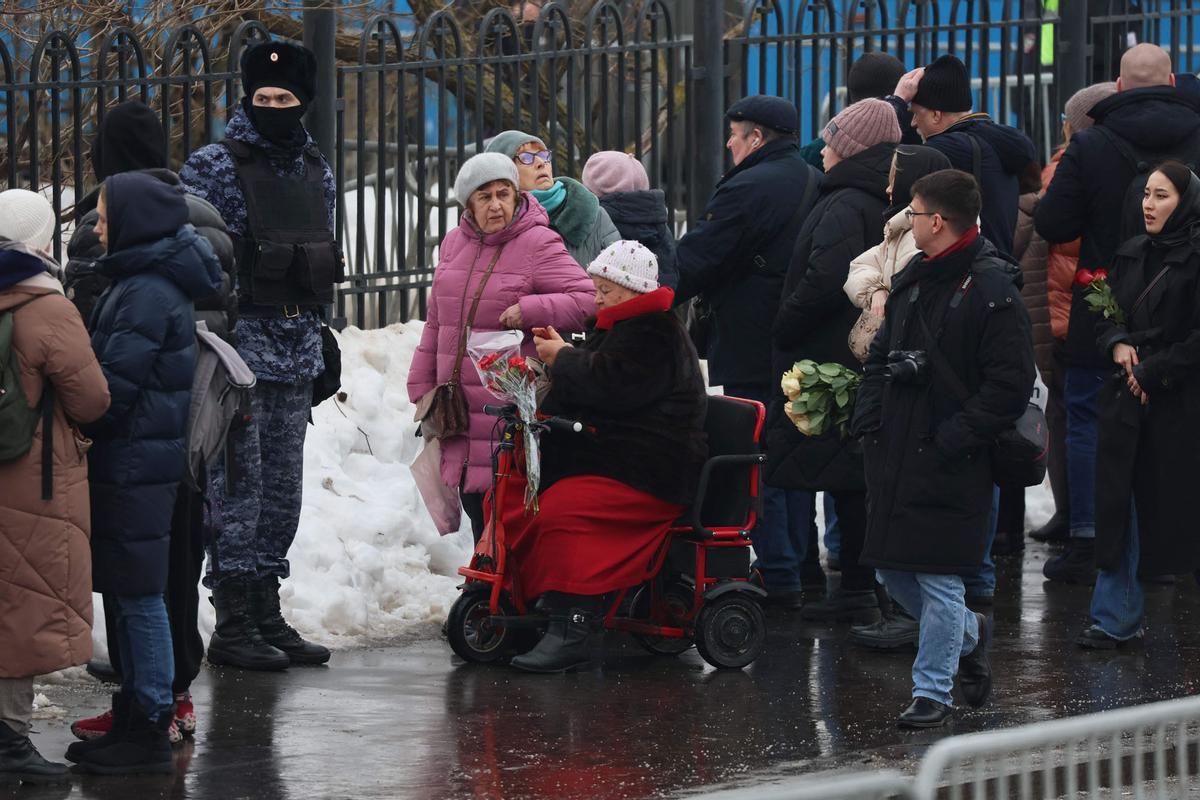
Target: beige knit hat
x,y
629,264
861,126
27,217
1085,100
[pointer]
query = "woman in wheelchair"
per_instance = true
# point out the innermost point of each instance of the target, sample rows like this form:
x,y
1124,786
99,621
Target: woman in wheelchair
x,y
609,496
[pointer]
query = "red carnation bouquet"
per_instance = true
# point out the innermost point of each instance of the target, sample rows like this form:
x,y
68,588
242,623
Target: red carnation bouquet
x,y
510,377
1098,294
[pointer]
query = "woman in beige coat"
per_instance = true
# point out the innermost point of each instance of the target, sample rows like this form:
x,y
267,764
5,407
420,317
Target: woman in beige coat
x,y
45,557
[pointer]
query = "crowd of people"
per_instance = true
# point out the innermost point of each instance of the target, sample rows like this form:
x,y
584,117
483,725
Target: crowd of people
x,y
917,244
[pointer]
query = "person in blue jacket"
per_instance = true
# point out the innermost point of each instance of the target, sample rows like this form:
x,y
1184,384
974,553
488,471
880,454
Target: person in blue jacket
x,y
144,335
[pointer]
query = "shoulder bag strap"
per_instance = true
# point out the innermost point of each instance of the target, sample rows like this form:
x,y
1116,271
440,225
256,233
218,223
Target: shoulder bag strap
x,y
1141,298
976,159
469,321
940,365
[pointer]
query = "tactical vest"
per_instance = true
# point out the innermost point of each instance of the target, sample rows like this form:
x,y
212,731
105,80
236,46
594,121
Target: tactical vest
x,y
288,260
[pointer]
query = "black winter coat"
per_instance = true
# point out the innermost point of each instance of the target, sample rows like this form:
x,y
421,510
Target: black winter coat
x,y
816,316
929,476
738,254
639,385
1085,198
1152,453
643,217
144,335
84,285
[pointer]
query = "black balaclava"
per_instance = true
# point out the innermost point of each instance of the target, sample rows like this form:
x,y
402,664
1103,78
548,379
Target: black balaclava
x,y
281,126
130,138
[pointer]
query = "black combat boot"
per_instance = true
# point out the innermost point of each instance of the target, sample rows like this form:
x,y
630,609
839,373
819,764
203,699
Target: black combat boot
x,y
20,760
143,747
275,629
567,644
237,642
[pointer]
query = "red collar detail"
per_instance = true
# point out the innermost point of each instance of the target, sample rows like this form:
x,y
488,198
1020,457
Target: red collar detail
x,y
963,243
661,299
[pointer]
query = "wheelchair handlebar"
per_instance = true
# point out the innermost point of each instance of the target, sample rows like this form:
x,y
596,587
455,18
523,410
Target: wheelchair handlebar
x,y
500,411
560,425
555,424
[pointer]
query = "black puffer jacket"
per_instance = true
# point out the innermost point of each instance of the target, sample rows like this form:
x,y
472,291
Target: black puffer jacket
x,y
637,381
815,317
643,217
929,477
84,285
1086,197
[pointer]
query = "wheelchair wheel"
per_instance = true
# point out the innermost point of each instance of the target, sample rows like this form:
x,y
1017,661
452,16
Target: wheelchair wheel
x,y
677,604
473,636
731,631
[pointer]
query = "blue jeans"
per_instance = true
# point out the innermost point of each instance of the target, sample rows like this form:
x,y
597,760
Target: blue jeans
x,y
833,532
147,661
1118,602
781,536
1080,391
983,583
948,629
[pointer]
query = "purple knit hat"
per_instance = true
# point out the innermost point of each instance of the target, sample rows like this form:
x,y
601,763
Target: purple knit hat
x,y
861,126
612,171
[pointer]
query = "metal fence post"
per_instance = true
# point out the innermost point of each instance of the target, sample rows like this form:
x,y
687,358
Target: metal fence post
x,y
707,88
320,30
1072,31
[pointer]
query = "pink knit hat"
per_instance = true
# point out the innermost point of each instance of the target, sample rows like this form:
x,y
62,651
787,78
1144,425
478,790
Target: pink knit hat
x,y
1085,100
861,126
612,171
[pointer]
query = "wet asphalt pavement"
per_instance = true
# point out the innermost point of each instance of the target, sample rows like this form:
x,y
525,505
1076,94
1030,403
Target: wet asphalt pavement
x,y
408,720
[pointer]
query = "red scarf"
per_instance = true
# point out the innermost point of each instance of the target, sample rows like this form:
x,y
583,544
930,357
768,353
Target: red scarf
x,y
661,299
963,243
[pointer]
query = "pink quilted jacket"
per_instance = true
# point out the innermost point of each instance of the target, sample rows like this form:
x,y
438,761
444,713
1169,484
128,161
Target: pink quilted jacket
x,y
535,271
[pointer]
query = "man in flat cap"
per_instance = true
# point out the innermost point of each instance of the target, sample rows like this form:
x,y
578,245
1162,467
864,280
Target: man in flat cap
x,y
276,194
735,258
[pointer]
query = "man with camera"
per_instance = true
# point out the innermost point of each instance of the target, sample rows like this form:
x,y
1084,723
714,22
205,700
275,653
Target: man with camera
x,y
954,327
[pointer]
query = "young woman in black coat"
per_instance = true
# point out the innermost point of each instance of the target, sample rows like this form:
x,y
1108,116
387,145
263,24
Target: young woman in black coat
x,y
1148,452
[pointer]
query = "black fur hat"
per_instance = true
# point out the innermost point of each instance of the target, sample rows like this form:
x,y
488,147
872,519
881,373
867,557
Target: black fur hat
x,y
281,64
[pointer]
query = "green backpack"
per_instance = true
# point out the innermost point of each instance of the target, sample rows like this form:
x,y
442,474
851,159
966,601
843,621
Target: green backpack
x,y
18,421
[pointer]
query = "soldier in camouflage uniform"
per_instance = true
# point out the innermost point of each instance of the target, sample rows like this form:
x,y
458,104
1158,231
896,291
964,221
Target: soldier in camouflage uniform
x,y
276,194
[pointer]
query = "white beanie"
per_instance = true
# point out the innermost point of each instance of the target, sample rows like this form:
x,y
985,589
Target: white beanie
x,y
27,217
481,170
629,264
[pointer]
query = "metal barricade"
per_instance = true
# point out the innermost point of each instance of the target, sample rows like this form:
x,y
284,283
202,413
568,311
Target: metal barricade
x,y
1141,751
883,785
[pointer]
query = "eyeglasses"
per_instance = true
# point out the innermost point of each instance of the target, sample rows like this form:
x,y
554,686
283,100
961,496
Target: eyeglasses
x,y
909,214
527,158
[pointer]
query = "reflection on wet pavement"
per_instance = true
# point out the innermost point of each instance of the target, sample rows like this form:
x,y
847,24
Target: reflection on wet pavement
x,y
407,721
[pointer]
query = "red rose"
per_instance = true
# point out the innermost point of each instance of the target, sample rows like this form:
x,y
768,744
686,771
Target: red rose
x,y
516,361
1083,277
487,361
1100,275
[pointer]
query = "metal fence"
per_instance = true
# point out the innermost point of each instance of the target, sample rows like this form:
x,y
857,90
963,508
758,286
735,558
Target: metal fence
x,y
411,105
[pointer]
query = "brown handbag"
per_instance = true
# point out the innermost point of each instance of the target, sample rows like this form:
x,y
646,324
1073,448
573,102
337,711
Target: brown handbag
x,y
442,411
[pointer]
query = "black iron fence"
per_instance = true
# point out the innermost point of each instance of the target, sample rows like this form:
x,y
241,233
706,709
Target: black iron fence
x,y
412,105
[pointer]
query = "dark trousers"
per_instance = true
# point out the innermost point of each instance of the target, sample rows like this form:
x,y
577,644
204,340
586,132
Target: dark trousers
x,y
852,522
183,595
1056,424
472,504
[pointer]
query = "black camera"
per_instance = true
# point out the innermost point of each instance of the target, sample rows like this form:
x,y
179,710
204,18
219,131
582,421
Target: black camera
x,y
907,366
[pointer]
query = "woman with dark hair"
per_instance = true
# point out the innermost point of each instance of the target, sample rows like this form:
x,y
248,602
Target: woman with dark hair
x,y
1148,452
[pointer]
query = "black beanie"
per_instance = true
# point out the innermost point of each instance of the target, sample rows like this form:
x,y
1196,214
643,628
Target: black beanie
x,y
283,65
130,138
944,86
873,75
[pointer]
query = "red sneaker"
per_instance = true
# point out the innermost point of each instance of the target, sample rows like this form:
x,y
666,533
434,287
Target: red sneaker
x,y
185,714
173,734
93,728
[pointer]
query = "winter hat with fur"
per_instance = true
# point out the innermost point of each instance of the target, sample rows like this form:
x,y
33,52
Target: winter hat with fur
x,y
629,264
27,217
1085,100
861,126
611,171
482,169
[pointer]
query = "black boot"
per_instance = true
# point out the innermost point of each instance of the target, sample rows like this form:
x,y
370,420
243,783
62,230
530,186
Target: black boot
x,y
975,669
858,606
275,630
1057,529
237,642
924,713
120,721
567,644
143,747
20,760
1076,565
896,629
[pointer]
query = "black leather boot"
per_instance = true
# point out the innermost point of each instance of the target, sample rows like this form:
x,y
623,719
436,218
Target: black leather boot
x,y
896,629
237,642
1076,565
567,644
1056,529
275,629
143,747
924,713
20,760
975,669
858,606
120,721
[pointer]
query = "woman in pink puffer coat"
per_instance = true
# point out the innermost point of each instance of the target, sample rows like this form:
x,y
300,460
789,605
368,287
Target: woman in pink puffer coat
x,y
535,283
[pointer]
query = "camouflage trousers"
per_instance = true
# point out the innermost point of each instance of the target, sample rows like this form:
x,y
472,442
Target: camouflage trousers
x,y
254,514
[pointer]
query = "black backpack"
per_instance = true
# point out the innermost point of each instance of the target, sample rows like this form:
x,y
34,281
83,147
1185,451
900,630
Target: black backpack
x,y
1143,162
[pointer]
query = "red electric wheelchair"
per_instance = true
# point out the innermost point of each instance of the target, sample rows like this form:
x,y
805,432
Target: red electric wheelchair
x,y
700,593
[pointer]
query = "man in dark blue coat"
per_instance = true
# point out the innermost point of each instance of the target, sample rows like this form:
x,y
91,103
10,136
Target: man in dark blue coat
x,y
937,102
736,258
1088,200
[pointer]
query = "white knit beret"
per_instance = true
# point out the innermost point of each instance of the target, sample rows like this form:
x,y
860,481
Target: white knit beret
x,y
629,264
481,170
26,217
